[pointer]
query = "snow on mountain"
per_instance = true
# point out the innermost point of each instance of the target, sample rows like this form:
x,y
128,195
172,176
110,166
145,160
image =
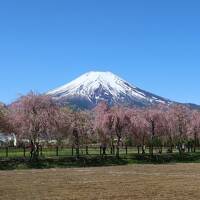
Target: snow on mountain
x,y
93,87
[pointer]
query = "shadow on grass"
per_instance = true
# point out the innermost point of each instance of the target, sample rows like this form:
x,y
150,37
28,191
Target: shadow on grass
x,y
97,161
169,158
45,163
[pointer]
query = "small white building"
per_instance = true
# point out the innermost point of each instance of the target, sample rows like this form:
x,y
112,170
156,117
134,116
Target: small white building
x,y
8,139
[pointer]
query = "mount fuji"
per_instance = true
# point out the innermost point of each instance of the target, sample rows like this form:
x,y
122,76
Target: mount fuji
x,y
89,89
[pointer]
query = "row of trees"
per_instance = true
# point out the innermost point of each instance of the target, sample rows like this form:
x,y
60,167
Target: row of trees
x,y
159,126
37,118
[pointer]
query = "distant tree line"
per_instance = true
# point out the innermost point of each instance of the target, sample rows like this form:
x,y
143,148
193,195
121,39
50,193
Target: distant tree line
x,y
36,118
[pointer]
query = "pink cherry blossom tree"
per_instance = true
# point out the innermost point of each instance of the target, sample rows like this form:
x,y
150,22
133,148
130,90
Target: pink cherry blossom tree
x,y
155,118
121,122
34,117
138,128
62,132
103,125
169,129
195,127
80,129
181,117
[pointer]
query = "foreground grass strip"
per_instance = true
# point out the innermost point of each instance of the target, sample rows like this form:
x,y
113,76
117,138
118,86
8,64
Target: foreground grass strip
x,y
141,182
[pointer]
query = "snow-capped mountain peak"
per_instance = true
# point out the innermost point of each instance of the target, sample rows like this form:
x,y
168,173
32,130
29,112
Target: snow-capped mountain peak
x,y
93,87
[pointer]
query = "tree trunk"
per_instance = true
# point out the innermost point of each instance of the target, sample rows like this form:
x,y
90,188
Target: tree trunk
x,y
138,149
72,151
188,147
195,142
143,149
104,151
171,148
180,149
87,153
24,148
161,149
151,149
57,149
152,138
143,145
118,144
6,152
41,151
113,147
34,151
76,142
77,151
117,153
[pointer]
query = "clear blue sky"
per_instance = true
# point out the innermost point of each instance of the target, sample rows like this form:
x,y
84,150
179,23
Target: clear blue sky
x,y
153,44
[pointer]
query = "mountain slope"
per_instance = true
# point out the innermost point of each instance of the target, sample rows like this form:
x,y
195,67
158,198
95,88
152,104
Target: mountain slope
x,y
90,88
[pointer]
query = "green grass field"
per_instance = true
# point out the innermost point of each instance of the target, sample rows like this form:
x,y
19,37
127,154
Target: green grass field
x,y
51,152
64,152
50,159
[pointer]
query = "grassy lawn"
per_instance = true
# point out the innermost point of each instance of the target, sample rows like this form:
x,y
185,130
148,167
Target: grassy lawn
x,y
51,152
172,181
